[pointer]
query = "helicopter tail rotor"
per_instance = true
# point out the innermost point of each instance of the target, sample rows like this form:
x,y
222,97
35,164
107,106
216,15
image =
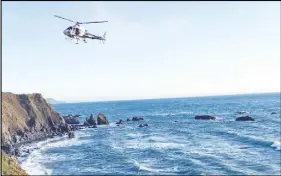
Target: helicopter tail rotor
x,y
103,39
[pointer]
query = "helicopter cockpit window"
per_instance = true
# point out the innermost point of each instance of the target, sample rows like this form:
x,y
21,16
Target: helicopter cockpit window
x,y
69,28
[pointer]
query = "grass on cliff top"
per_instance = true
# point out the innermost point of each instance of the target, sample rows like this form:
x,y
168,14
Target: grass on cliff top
x,y
10,166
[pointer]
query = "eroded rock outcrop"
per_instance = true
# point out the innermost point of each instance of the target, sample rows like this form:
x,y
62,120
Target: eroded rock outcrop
x,y
245,118
102,119
91,120
26,118
71,120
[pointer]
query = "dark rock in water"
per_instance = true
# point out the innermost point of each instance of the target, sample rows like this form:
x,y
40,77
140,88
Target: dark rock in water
x,y
118,125
71,134
137,118
86,123
245,118
120,122
17,152
71,120
91,120
143,125
273,113
93,126
77,115
128,119
175,121
204,117
102,119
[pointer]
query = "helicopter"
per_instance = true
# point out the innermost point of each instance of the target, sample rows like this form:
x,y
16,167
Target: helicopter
x,y
77,32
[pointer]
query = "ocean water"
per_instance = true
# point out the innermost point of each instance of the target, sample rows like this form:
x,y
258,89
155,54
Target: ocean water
x,y
188,146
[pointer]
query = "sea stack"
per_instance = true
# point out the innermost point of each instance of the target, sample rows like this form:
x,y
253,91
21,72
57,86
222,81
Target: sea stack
x,y
102,119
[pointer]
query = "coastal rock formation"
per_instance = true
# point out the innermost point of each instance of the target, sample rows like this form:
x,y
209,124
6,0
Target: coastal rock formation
x,y
26,118
137,118
69,115
245,118
71,120
91,120
71,134
204,117
102,119
120,122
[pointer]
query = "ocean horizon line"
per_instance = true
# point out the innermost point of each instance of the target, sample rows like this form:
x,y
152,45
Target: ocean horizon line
x,y
165,98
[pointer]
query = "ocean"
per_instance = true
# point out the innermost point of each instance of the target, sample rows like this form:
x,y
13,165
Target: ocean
x,y
174,143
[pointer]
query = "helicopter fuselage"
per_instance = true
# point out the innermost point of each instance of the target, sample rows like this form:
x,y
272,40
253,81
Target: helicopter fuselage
x,y
80,32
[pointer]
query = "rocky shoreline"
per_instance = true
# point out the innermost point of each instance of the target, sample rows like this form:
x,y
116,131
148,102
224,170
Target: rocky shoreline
x,y
28,118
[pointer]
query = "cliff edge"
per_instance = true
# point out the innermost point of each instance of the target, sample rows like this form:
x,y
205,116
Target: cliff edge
x,y
26,118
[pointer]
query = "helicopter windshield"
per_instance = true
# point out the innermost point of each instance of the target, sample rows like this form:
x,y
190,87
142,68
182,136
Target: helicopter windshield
x,y
69,28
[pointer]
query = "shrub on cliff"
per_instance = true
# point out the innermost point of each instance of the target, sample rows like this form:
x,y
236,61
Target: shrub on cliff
x,y
10,166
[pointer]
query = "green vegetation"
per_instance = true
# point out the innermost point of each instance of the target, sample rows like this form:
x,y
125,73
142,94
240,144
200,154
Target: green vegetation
x,y
10,166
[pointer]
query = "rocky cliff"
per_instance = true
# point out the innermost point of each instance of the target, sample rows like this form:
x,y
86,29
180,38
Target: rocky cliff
x,y
26,118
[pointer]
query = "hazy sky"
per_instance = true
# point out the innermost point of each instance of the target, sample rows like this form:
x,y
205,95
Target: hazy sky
x,y
153,49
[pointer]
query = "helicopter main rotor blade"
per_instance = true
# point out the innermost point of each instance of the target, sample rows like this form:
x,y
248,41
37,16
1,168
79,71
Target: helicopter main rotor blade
x,y
93,22
64,18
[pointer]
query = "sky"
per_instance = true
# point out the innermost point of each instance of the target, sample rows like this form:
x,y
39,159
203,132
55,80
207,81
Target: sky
x,y
153,49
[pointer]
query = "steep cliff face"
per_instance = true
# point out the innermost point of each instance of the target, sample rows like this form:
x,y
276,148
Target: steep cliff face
x,y
28,117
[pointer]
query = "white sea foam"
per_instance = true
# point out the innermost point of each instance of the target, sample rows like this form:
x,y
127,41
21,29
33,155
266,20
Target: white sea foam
x,y
33,164
277,145
157,138
153,145
171,113
142,167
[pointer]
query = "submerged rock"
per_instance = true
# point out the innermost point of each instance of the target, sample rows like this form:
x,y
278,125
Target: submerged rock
x,y
71,120
204,117
102,119
128,119
86,123
273,113
17,152
245,118
143,125
120,122
137,118
71,134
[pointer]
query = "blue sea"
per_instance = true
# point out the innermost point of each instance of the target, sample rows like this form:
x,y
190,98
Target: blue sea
x,y
166,147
